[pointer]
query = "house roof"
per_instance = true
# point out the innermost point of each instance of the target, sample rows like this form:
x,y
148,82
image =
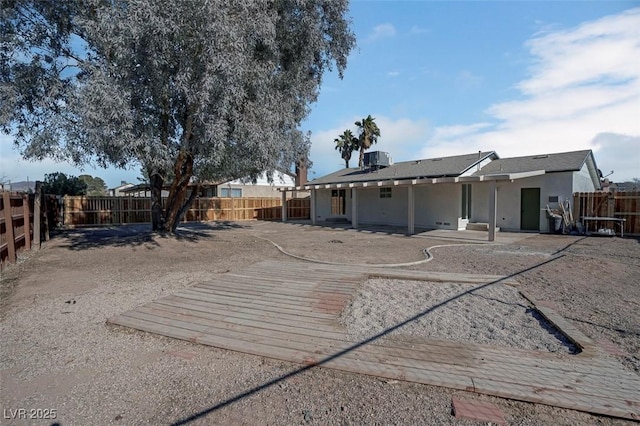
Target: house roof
x,y
428,168
124,185
550,163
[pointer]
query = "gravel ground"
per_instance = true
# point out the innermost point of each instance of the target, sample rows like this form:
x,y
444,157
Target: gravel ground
x,y
493,315
57,352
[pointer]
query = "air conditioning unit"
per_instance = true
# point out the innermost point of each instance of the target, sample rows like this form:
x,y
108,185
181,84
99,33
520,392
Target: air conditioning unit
x,y
377,159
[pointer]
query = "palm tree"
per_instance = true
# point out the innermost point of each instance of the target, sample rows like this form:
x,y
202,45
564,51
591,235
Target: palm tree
x,y
346,143
369,133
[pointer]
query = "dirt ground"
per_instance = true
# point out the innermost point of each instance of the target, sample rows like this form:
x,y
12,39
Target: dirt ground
x,y
57,353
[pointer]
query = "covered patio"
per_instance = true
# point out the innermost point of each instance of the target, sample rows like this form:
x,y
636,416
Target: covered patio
x,y
410,185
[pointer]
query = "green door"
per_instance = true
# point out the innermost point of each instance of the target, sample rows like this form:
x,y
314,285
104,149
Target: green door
x,y
530,209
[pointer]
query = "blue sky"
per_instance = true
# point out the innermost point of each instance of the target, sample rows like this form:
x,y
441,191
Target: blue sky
x,y
453,77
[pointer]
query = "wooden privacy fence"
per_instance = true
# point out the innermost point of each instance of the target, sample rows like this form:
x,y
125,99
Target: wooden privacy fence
x,y
94,211
24,222
16,222
623,205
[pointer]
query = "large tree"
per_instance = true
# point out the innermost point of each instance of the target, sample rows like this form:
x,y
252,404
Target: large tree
x,y
367,136
61,184
346,143
95,185
200,90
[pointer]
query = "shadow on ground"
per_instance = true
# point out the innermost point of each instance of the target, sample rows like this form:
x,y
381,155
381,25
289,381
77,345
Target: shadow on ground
x,y
139,235
239,397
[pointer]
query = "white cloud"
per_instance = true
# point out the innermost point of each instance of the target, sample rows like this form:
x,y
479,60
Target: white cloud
x,y
611,155
466,80
416,29
603,49
393,73
382,31
583,92
445,132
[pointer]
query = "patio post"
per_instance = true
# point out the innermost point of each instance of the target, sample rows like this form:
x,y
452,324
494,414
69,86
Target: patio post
x,y
354,208
411,209
284,205
493,202
313,207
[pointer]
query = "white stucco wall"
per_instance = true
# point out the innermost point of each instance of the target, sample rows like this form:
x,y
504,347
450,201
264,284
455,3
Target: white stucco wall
x,y
479,203
477,167
438,206
582,181
509,193
373,210
262,187
278,180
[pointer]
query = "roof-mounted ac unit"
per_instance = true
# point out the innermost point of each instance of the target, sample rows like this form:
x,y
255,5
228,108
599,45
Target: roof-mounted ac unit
x,y
377,159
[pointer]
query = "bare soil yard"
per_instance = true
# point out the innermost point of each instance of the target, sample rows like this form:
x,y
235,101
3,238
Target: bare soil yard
x,y
57,352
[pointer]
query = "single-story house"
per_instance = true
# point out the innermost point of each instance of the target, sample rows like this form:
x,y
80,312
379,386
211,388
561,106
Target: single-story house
x,y
522,202
452,192
237,188
118,191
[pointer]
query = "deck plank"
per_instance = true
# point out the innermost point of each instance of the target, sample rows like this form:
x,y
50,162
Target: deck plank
x,y
290,311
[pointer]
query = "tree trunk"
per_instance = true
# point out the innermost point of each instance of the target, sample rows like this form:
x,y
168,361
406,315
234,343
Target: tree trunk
x,y
156,181
185,206
361,158
177,200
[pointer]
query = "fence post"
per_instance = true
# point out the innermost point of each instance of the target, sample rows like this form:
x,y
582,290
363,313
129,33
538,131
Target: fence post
x,y
8,223
611,204
47,223
37,213
65,209
26,221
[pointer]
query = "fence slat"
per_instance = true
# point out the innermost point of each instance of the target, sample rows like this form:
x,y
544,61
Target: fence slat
x,y
37,212
26,221
8,225
16,225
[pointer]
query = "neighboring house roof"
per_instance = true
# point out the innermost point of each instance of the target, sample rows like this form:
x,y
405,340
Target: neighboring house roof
x,y
561,162
20,186
428,168
120,187
279,177
624,186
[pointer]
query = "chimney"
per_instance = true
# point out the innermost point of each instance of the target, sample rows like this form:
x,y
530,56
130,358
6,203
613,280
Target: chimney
x,y
301,173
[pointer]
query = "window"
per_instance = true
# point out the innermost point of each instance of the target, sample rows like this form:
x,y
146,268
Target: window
x,y
466,201
231,192
338,202
385,192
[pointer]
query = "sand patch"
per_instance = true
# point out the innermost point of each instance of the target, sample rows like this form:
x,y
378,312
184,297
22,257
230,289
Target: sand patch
x,y
495,315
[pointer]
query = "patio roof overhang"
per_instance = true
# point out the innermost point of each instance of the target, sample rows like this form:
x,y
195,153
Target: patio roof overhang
x,y
415,182
410,184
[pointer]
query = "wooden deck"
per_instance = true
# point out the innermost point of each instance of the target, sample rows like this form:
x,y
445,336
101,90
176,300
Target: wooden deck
x,y
289,311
